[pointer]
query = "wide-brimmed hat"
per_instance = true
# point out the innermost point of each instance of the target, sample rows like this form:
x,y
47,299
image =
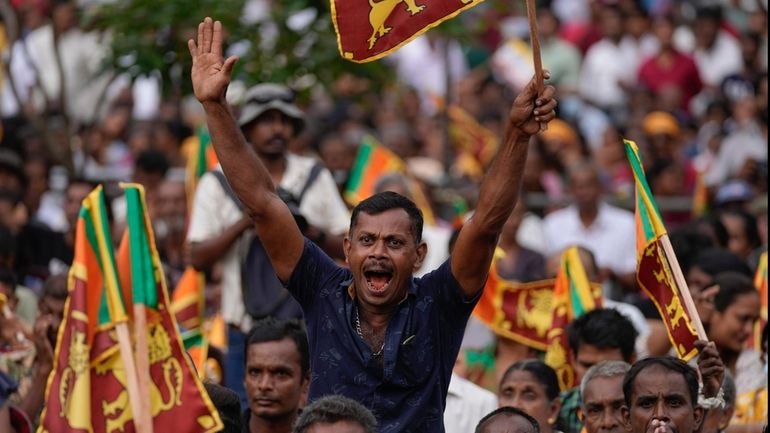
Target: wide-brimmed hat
x,y
270,96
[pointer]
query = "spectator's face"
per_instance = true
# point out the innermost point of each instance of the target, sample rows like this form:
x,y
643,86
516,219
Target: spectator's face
x,y
698,279
37,176
522,390
602,400
270,134
171,201
505,423
731,328
274,382
705,31
612,23
382,254
738,241
335,427
664,31
585,188
589,355
658,393
74,198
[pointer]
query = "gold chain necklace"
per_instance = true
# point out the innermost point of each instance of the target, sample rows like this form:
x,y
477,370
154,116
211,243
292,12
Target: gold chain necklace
x,y
361,334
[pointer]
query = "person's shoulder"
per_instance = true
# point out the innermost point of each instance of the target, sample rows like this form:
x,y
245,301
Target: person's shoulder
x,y
559,215
468,390
616,212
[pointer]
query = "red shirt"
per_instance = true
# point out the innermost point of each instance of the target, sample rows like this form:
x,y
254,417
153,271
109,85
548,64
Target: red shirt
x,y
682,73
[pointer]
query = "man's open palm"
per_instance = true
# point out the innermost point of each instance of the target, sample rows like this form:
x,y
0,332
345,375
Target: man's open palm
x,y
210,74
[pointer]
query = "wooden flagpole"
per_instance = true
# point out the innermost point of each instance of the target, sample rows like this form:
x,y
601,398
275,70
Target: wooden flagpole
x,y
681,284
535,43
143,367
132,383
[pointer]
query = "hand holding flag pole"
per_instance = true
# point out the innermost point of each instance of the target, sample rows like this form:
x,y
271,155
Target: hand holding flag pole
x,y
535,42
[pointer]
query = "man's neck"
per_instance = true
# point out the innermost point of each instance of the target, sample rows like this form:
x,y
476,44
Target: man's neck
x,y
275,165
280,425
376,318
588,214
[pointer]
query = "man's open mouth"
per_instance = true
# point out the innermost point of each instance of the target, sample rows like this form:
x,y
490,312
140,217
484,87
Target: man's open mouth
x,y
378,281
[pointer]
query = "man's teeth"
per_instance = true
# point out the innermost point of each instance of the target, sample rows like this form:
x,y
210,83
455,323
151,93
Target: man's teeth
x,y
371,287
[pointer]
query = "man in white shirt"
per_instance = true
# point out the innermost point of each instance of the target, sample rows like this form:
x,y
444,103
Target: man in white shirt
x,y
466,404
609,65
607,231
220,231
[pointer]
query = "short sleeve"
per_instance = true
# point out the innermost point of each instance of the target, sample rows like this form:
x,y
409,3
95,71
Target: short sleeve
x,y
449,293
323,206
315,273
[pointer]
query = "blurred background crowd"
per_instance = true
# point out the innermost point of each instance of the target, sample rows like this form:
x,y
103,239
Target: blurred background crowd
x,y
98,92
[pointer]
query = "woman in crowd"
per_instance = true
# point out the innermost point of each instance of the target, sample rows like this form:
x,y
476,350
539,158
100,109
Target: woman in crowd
x,y
532,386
736,310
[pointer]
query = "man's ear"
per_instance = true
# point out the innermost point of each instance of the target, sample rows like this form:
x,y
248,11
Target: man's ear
x,y
626,417
422,251
698,413
346,247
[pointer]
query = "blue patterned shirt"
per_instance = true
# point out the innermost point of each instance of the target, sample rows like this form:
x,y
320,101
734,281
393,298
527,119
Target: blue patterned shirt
x,y
407,390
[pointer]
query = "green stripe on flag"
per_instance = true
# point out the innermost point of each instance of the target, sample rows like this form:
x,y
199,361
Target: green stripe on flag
x,y
359,167
142,270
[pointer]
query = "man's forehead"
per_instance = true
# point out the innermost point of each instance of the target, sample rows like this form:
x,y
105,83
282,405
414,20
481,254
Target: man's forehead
x,y
391,220
604,388
282,351
658,380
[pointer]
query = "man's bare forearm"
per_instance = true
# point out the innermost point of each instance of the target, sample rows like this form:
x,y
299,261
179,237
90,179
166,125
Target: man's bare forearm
x,y
500,188
203,254
244,171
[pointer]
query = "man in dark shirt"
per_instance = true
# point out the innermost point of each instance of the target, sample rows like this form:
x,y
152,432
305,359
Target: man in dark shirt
x,y
376,334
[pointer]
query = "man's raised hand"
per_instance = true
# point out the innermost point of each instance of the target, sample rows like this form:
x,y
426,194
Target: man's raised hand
x,y
531,112
210,74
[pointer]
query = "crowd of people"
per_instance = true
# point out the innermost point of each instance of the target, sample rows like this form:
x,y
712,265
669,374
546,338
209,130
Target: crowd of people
x,y
355,317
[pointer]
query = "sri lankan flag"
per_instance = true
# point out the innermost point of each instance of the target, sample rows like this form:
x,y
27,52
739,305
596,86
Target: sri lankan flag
x,y
760,282
374,161
468,135
87,390
515,310
177,400
200,159
573,296
654,270
187,305
371,29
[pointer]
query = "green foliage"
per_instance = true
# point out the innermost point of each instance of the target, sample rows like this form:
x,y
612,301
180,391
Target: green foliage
x,y
151,37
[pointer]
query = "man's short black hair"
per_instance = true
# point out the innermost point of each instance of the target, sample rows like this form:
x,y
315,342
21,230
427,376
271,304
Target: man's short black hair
x,y
669,363
8,278
335,408
714,261
511,412
228,405
56,287
731,285
604,328
385,201
272,329
152,161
